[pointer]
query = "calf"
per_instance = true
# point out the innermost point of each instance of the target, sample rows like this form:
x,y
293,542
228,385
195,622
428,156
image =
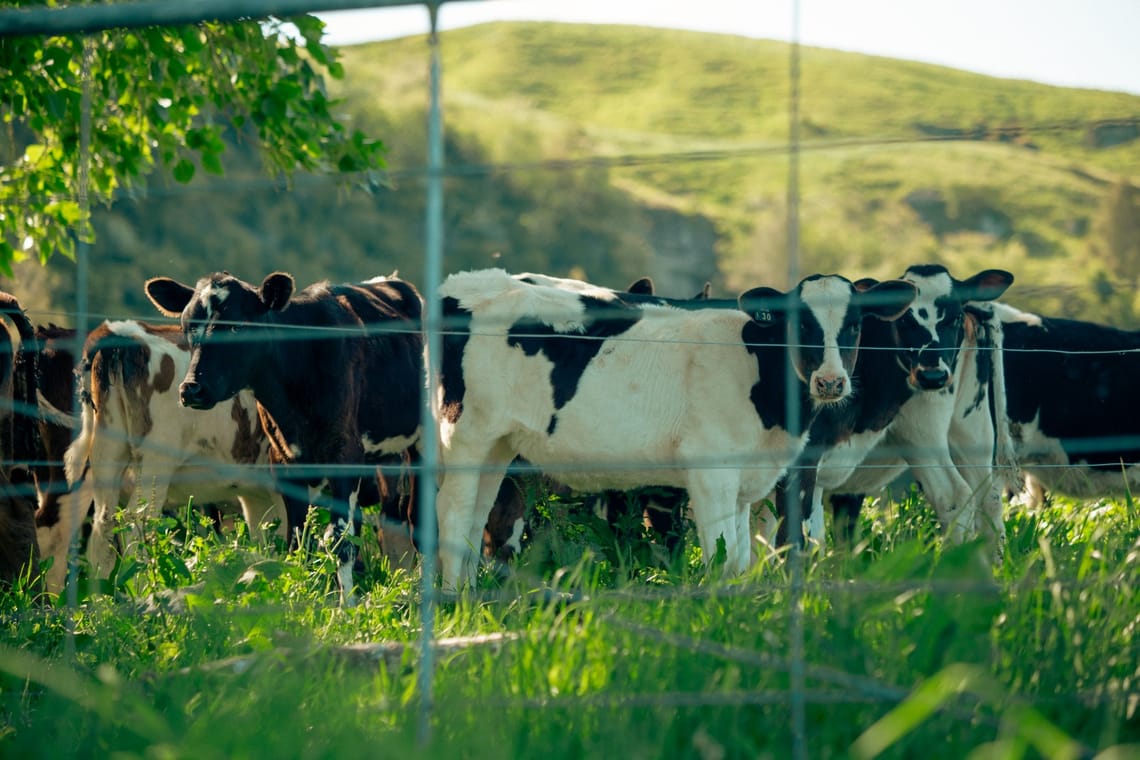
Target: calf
x,y
137,443
337,371
925,405
690,395
1072,420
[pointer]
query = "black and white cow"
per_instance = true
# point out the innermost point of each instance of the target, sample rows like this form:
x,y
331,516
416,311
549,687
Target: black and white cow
x,y
1070,385
337,371
923,401
604,391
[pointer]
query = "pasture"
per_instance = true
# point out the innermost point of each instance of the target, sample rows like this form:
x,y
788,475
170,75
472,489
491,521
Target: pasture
x,y
208,645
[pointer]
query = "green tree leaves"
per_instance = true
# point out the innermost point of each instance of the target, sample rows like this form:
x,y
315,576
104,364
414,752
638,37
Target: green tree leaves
x,y
161,98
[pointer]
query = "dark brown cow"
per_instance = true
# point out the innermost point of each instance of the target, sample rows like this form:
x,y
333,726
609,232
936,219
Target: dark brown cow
x,y
337,371
19,553
55,381
19,440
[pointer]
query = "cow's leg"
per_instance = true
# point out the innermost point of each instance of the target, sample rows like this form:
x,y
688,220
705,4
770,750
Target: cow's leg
x,y
815,526
260,508
344,526
972,447
55,541
150,498
713,501
947,491
845,509
106,474
490,480
457,504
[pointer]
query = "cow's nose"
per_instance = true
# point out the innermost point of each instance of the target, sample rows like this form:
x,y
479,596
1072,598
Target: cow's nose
x,y
190,393
830,388
931,379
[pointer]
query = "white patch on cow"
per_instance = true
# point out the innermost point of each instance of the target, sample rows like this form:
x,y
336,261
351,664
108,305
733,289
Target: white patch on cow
x,y
1043,457
393,445
1007,313
382,278
212,297
158,347
924,307
828,299
564,283
840,462
515,541
504,300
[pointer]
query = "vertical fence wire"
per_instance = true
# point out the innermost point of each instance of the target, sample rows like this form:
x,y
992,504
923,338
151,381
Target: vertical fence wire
x,y
794,516
433,275
82,255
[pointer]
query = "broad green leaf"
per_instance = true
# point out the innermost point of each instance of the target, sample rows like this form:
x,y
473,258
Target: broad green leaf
x,y
184,171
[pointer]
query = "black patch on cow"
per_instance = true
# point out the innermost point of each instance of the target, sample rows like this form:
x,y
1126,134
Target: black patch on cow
x,y
984,355
767,395
456,332
570,353
1086,400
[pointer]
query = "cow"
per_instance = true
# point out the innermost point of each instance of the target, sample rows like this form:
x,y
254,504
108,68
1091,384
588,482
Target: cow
x,y
19,415
608,391
19,441
137,444
55,389
19,552
337,371
923,388
662,508
1069,414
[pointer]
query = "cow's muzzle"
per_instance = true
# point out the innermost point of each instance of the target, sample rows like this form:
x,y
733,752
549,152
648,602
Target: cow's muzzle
x,y
829,389
193,395
930,379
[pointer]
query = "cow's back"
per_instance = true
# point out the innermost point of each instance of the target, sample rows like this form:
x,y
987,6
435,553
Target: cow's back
x,y
600,395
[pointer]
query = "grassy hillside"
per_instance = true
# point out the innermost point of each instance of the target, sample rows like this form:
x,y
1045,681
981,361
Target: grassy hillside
x,y
611,152
1012,168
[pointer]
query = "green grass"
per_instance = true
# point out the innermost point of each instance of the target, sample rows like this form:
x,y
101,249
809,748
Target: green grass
x,y
214,647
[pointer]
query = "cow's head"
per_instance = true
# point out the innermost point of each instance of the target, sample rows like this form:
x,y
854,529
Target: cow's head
x,y
931,331
822,320
220,318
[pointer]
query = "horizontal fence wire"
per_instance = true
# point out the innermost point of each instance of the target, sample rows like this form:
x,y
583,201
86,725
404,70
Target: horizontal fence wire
x,y
827,685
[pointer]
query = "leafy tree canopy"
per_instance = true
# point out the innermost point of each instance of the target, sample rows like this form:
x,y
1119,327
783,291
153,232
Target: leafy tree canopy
x,y
160,97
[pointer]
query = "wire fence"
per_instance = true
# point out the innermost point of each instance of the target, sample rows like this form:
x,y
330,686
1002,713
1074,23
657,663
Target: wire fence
x,y
827,685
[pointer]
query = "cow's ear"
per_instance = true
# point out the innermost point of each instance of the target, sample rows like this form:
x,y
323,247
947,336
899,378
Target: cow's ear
x,y
705,294
888,300
984,286
276,290
643,286
865,284
169,296
766,306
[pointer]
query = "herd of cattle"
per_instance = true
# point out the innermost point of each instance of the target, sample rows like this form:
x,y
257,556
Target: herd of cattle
x,y
280,400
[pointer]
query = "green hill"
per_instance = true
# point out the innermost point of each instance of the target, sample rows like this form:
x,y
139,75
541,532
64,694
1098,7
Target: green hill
x,y
614,151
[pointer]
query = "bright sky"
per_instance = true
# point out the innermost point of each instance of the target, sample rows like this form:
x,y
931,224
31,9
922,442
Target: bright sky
x,y
1078,43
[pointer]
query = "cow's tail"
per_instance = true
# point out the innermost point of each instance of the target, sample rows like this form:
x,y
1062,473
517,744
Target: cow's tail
x,y
25,437
1005,456
79,452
